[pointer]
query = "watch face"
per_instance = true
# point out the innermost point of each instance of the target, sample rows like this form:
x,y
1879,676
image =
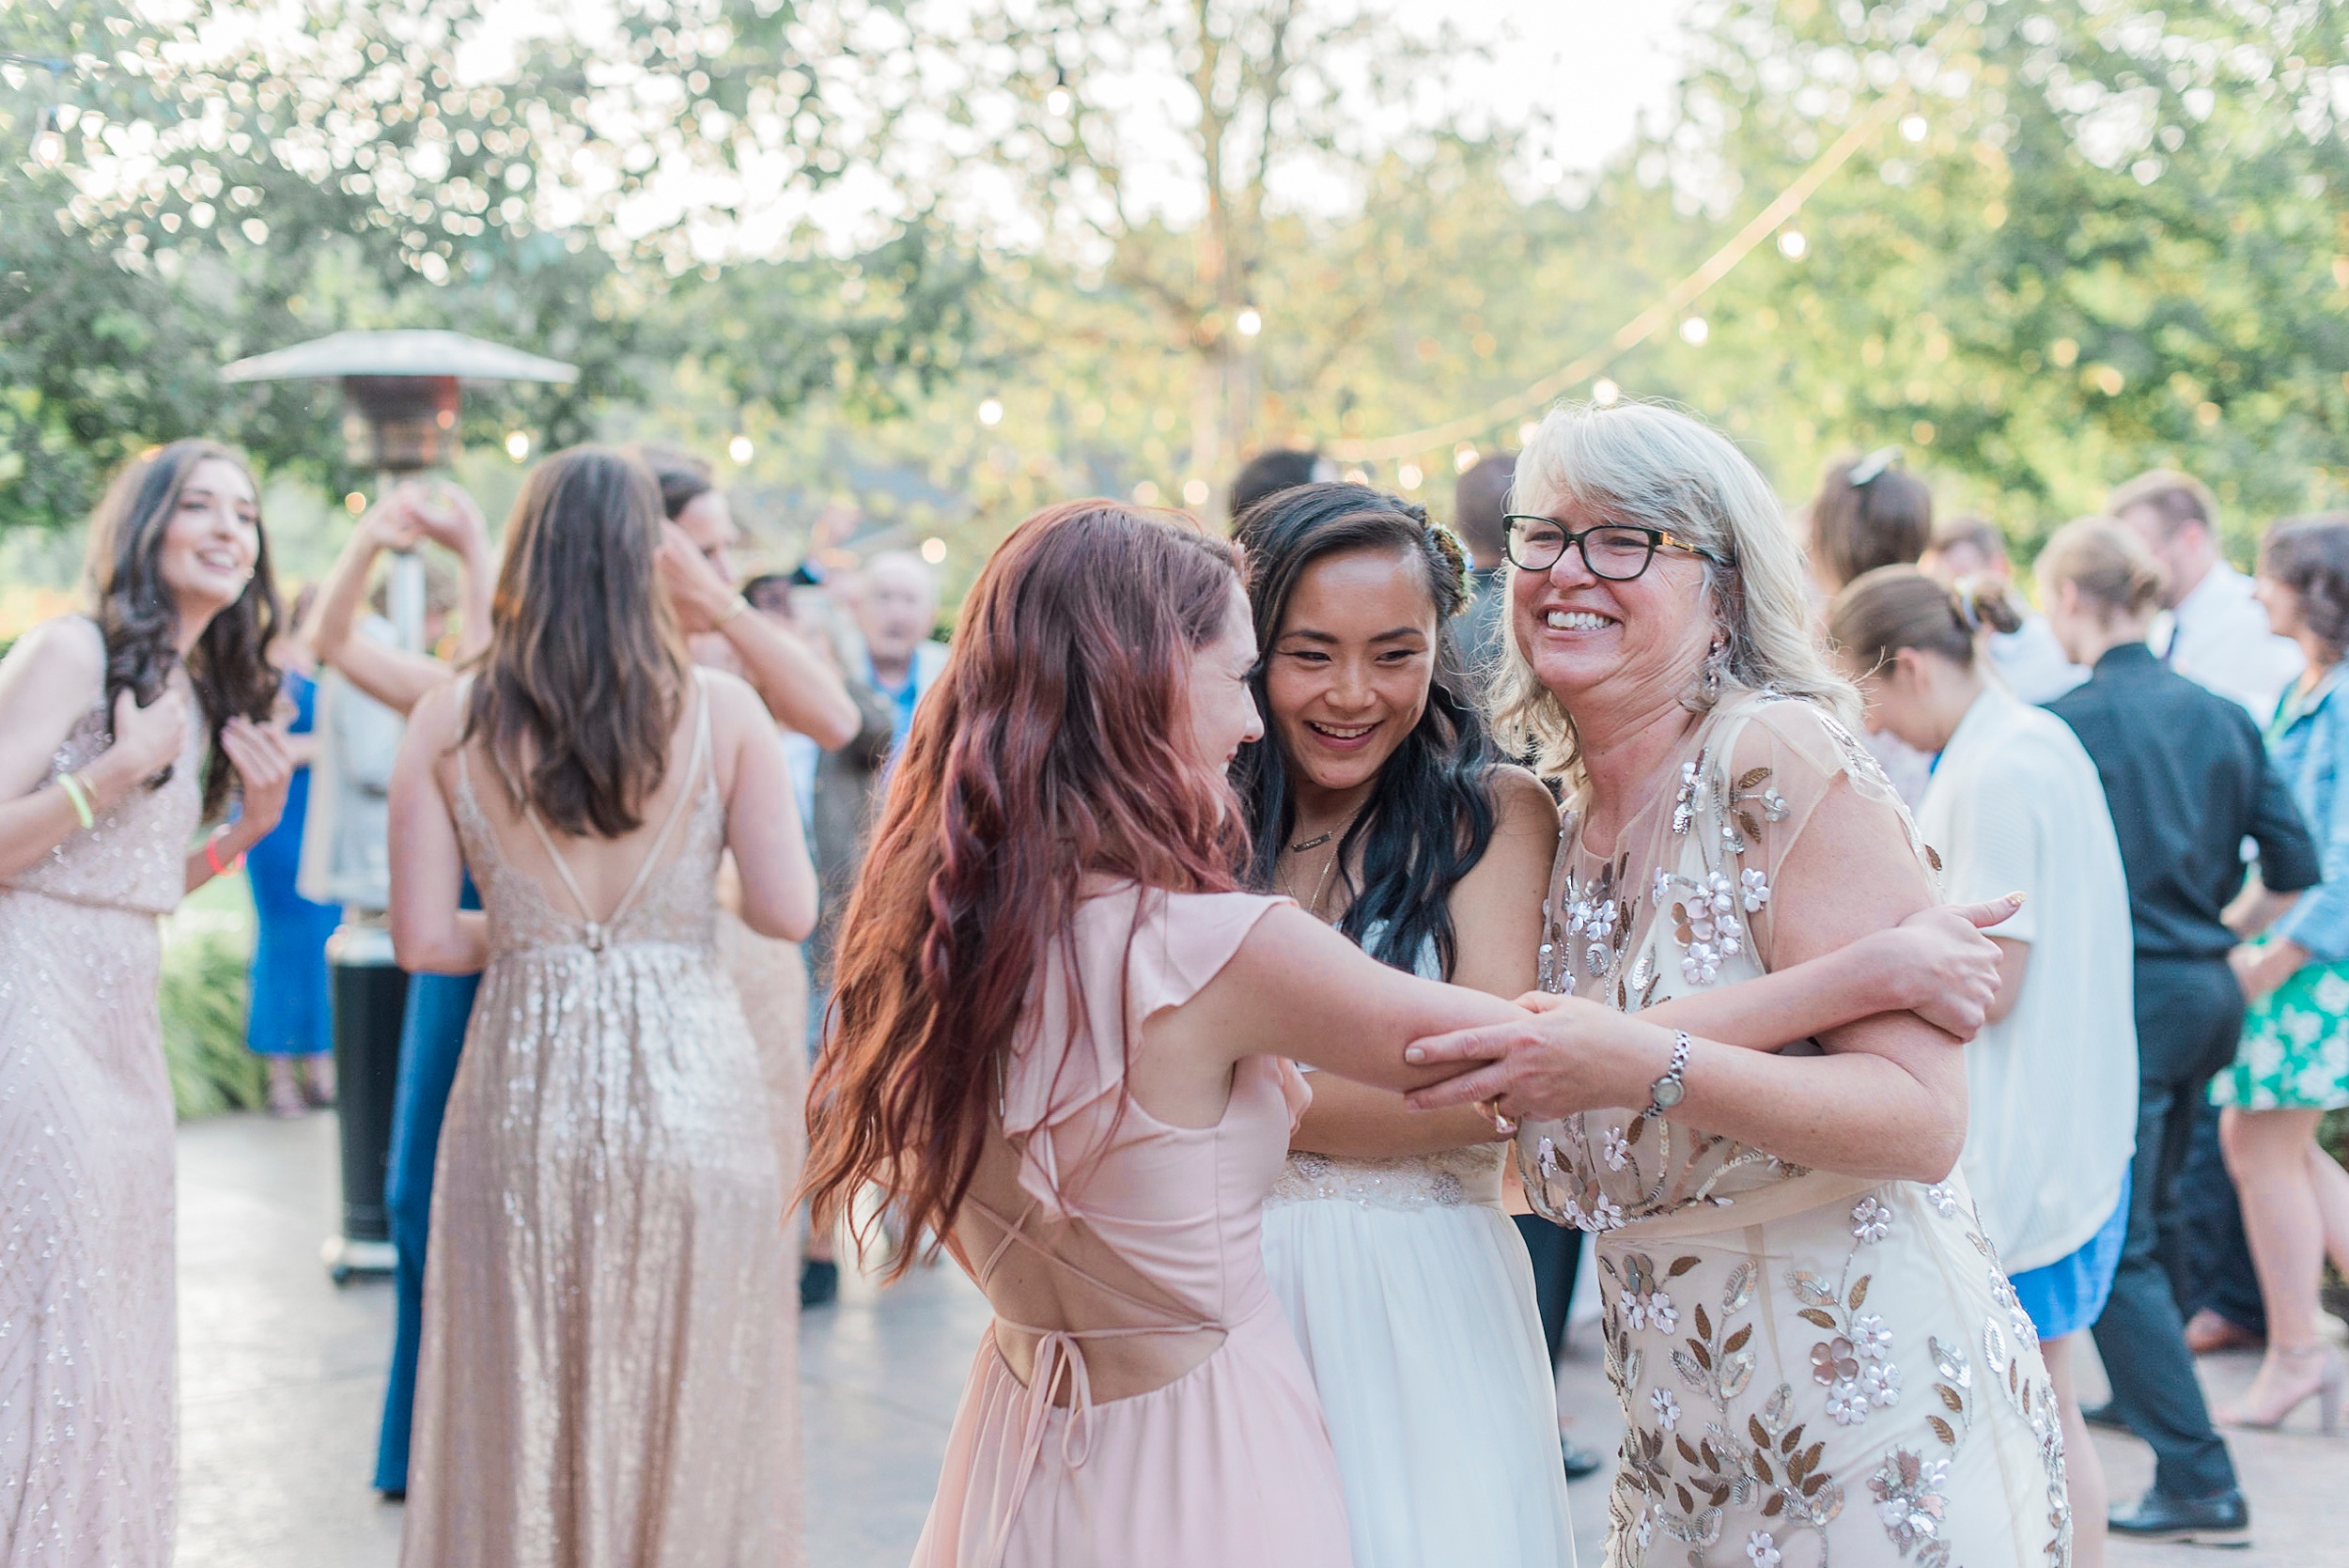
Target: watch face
x,y
1668,1092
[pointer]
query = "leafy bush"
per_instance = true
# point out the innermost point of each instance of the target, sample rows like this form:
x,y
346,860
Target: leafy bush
x,y
202,1003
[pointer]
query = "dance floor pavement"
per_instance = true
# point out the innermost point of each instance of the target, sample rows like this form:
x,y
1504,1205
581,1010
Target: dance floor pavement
x,y
282,1378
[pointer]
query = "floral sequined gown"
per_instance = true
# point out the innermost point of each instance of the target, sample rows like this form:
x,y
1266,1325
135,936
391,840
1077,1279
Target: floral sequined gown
x,y
601,1382
1812,1367
89,1327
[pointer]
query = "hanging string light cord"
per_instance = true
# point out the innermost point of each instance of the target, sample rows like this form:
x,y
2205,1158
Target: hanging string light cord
x,y
1533,400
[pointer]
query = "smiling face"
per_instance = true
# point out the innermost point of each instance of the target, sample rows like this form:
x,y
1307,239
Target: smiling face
x,y
1350,667
210,541
1222,710
1593,641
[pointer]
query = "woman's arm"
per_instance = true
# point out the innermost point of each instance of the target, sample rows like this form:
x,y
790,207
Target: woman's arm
x,y
1937,964
429,933
393,676
775,882
48,680
1296,988
1497,925
2318,923
798,687
1889,1098
265,771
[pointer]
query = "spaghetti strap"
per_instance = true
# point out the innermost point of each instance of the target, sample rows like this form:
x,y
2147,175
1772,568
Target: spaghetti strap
x,y
598,930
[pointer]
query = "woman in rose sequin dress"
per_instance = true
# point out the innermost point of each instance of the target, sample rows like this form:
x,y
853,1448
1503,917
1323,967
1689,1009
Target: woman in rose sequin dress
x,y
1816,1353
120,733
602,1379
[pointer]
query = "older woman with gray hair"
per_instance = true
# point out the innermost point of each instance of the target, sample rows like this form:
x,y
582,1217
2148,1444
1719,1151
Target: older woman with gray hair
x,y
1808,1330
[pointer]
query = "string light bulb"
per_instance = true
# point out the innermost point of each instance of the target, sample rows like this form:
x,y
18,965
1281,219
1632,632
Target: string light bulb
x,y
518,444
49,138
1249,322
1792,245
740,449
1058,102
991,411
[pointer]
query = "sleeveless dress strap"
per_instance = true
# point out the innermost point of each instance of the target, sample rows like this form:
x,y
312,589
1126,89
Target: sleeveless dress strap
x,y
598,930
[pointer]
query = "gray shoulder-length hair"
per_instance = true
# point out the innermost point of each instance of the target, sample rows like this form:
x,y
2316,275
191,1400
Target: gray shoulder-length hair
x,y
1653,465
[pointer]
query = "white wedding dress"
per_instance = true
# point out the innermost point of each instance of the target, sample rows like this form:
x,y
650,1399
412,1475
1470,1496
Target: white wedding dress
x,y
1411,1292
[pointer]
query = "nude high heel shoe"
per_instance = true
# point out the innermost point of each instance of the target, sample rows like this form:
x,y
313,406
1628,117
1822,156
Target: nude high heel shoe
x,y
2327,1390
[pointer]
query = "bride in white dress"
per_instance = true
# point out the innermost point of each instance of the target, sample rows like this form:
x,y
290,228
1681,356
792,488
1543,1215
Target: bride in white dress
x,y
1386,1240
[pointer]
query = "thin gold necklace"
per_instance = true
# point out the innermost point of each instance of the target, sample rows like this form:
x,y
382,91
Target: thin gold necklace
x,y
1322,887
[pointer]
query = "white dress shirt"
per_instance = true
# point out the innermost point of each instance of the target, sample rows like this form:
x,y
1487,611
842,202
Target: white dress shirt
x,y
2218,639
2016,806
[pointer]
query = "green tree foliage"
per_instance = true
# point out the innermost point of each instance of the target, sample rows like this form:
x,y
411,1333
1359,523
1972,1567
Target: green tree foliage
x,y
2099,236
2093,236
227,189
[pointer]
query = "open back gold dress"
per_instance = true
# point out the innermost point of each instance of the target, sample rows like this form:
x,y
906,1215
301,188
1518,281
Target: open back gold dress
x,y
603,1380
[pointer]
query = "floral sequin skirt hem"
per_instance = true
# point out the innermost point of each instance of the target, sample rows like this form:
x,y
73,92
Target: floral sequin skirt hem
x,y
1855,1382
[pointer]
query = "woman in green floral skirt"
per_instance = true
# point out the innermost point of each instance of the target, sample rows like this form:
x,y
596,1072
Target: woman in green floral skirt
x,y
2293,1062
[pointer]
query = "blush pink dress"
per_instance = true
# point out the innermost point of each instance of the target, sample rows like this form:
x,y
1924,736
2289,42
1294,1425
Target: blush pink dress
x,y
1136,1228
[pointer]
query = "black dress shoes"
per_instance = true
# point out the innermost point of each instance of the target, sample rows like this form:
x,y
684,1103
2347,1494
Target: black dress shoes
x,y
2222,1519
1580,1462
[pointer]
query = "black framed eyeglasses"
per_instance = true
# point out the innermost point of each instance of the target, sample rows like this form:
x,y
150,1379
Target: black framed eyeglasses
x,y
1618,552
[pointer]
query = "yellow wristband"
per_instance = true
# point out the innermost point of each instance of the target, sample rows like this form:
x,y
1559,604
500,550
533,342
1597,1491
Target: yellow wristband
x,y
77,792
733,609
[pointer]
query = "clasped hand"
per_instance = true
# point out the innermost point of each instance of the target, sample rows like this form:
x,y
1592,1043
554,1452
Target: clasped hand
x,y
1568,1055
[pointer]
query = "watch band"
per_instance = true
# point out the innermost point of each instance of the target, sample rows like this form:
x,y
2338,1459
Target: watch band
x,y
1673,1087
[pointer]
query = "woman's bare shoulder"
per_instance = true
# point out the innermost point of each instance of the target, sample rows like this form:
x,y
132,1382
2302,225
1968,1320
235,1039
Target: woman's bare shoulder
x,y
1521,802
65,652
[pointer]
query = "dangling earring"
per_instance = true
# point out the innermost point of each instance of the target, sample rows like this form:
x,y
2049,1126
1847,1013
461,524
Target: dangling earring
x,y
1716,669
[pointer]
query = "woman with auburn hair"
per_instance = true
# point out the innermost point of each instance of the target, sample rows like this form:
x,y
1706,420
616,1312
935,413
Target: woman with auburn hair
x,y
600,1380
1063,1046
120,732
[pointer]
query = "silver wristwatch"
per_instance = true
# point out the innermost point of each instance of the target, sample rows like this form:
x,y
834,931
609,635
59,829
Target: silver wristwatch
x,y
1673,1087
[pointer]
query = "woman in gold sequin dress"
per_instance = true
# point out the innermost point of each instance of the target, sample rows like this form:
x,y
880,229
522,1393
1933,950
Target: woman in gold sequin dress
x,y
601,1379
120,733
1817,1356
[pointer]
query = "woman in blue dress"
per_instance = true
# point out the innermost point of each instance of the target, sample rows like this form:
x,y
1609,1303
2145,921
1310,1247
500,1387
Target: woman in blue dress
x,y
288,1021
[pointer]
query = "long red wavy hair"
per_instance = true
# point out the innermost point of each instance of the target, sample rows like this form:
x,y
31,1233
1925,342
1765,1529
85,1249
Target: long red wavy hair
x,y
1049,751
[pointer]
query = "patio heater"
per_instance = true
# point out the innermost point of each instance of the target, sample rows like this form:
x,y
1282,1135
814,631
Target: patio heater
x,y
401,393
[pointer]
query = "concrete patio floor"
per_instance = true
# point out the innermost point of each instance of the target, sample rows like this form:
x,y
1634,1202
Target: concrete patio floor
x,y
282,1379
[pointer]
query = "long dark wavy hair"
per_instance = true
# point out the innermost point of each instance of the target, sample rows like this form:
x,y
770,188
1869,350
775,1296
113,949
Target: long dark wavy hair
x,y
586,672
1047,753
228,667
1429,818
